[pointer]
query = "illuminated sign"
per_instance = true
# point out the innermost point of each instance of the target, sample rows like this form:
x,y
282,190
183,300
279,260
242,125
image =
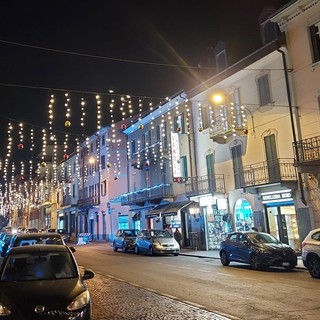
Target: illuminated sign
x,y
175,152
273,197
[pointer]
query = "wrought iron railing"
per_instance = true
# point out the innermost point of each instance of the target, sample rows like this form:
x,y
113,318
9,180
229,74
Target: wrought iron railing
x,y
147,194
307,150
88,201
205,184
266,172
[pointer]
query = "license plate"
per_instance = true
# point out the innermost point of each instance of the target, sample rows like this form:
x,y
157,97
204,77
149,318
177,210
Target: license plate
x,y
286,264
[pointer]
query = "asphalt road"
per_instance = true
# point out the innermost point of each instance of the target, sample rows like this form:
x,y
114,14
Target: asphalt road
x,y
129,286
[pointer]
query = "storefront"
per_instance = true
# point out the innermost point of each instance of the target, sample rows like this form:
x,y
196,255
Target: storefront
x,y
217,220
281,217
243,215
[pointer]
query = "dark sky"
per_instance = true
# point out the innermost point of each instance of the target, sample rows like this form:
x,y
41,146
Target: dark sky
x,y
103,38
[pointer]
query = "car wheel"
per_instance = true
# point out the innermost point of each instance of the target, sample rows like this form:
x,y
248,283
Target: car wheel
x,y
124,247
224,258
290,268
314,267
115,247
136,250
254,262
176,254
151,251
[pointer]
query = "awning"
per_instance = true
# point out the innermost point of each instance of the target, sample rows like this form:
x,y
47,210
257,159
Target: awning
x,y
156,211
173,208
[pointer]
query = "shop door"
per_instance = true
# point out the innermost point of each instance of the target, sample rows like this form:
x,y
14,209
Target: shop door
x,y
282,224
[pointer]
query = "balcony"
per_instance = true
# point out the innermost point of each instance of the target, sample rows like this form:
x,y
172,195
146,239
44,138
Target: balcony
x,y
307,155
155,150
88,202
226,125
267,172
68,201
203,185
147,194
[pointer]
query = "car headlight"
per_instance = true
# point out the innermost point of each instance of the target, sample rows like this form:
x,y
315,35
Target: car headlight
x,y
4,311
157,244
80,301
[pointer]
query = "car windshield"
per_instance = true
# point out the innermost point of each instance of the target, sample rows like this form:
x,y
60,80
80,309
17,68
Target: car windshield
x,y
130,233
263,238
38,240
160,234
32,266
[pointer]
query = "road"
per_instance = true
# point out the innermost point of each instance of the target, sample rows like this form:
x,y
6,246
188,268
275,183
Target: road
x,y
184,282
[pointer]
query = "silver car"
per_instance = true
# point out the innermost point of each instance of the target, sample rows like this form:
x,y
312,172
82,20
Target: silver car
x,y
156,241
311,252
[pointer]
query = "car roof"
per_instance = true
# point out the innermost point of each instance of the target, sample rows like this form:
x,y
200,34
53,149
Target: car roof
x,y
39,248
37,235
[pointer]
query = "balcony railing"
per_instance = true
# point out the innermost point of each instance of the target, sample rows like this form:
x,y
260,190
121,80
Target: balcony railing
x,y
226,124
147,194
203,185
307,151
271,171
89,201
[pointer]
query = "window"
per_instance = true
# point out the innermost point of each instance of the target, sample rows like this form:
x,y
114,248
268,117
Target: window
x,y
184,168
205,116
103,162
179,123
104,188
133,146
264,90
236,153
91,147
103,140
315,41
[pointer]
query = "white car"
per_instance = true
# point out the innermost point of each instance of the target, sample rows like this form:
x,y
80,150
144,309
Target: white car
x,y
311,252
156,241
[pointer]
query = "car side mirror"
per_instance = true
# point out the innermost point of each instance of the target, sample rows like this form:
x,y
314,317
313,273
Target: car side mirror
x,y
88,274
73,249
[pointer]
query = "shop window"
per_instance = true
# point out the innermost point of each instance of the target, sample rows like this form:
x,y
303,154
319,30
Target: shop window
x,y
315,41
243,215
123,222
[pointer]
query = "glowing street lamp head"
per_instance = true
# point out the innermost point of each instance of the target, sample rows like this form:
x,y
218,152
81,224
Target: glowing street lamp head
x,y
218,98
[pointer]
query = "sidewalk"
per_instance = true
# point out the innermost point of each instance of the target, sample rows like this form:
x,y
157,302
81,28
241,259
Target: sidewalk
x,y
214,254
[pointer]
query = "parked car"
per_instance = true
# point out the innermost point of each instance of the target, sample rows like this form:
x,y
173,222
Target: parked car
x,y
156,241
311,252
43,282
258,249
65,234
125,239
24,239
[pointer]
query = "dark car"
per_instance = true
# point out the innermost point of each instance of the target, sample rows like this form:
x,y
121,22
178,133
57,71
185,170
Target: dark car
x,y
43,282
258,249
24,239
124,239
64,233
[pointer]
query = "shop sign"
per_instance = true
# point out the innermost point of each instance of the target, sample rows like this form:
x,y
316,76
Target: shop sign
x,y
284,196
175,150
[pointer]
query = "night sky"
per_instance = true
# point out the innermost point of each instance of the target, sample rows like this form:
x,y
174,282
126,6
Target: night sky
x,y
89,47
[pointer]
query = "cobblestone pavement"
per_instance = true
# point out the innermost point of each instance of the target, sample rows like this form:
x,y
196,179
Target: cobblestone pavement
x,y
117,300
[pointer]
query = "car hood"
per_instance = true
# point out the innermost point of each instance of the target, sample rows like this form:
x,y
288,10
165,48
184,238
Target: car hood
x,y
26,295
170,241
276,247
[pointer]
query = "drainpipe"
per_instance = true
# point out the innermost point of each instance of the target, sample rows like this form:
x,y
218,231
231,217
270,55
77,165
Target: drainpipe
x,y
302,195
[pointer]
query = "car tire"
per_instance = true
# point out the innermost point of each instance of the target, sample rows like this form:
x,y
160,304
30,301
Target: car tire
x,y
224,258
136,250
151,251
254,262
314,266
124,248
114,247
176,254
